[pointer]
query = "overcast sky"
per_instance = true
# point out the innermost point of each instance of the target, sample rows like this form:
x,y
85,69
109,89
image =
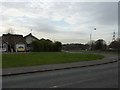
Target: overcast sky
x,y
68,22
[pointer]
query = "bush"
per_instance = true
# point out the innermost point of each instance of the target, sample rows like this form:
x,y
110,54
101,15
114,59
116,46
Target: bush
x,y
47,45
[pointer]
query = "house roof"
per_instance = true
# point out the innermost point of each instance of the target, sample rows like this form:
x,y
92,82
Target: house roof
x,y
30,36
13,35
13,38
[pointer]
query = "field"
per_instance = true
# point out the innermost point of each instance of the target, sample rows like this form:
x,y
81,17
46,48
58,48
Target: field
x,y
43,58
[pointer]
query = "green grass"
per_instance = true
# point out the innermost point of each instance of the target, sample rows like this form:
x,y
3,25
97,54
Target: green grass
x,y
42,58
0,60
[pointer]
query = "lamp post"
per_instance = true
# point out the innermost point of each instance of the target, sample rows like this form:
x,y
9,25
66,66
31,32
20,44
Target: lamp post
x,y
91,38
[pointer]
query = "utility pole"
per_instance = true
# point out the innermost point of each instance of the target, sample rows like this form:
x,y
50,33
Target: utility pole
x,y
113,38
91,38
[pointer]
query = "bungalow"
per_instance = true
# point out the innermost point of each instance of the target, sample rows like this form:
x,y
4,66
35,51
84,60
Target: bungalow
x,y
13,43
16,43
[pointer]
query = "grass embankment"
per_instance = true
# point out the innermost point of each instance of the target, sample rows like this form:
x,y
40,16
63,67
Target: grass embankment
x,y
0,60
42,58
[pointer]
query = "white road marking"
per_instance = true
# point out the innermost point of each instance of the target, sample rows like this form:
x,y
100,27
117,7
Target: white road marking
x,y
67,84
53,87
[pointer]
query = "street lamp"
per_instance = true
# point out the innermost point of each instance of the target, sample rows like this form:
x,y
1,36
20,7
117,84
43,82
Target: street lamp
x,y
91,38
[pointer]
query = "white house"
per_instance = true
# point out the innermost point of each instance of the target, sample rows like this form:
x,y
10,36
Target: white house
x,y
29,38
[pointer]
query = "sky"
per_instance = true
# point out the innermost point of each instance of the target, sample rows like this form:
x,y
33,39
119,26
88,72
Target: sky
x,y
64,21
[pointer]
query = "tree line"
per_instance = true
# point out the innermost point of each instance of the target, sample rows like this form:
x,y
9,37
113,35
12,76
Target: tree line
x,y
100,44
46,45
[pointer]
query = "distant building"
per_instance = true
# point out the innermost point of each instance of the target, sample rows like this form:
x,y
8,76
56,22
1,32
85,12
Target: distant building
x,y
29,38
13,43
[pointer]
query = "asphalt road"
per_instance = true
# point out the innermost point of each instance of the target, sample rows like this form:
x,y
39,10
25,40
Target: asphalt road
x,y
102,76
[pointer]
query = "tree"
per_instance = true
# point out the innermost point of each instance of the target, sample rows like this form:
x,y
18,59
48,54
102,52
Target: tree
x,y
115,45
57,46
46,45
10,31
100,45
35,46
91,45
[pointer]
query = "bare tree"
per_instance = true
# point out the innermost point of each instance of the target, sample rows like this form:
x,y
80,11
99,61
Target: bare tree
x,y
10,31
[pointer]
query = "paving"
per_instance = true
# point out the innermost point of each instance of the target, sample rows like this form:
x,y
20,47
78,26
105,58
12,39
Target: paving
x,y
52,67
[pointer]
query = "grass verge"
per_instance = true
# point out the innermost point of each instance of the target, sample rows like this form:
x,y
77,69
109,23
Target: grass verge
x,y
0,60
43,58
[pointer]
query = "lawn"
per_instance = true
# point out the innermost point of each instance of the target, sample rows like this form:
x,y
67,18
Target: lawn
x,y
42,58
0,60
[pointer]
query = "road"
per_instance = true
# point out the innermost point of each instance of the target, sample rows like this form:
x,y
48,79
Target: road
x,y
102,76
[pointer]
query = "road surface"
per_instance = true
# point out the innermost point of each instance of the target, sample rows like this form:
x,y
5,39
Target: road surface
x,y
102,76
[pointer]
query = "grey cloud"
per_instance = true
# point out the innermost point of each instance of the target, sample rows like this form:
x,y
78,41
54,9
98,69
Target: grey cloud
x,y
108,13
87,14
119,20
98,12
17,5
40,24
101,12
45,28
